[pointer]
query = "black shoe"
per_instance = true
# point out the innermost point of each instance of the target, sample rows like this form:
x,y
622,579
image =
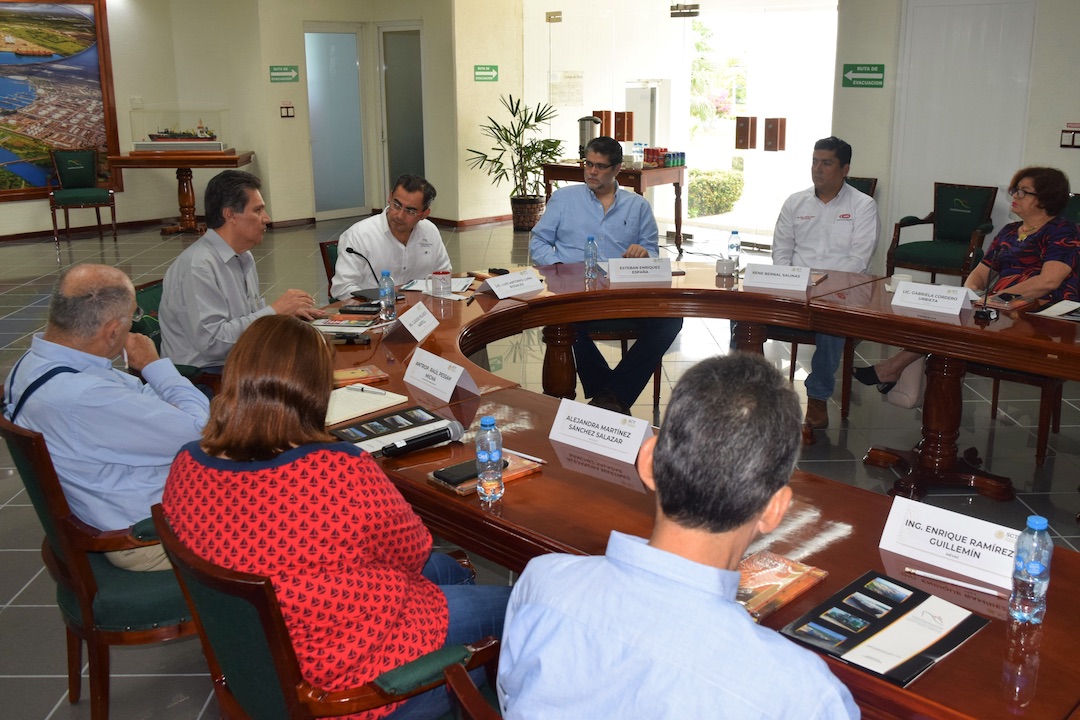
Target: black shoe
x,y
608,401
869,376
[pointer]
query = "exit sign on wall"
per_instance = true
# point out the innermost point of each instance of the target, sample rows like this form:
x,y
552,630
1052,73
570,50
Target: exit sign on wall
x,y
864,76
485,73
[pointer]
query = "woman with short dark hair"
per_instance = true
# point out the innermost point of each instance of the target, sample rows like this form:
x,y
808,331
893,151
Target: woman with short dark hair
x,y
269,491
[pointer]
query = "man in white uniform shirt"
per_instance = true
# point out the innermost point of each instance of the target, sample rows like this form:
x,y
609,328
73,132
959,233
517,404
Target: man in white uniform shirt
x,y
400,239
830,226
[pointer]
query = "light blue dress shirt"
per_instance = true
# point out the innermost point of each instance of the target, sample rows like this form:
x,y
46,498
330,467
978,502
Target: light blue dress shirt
x,y
112,438
644,633
573,213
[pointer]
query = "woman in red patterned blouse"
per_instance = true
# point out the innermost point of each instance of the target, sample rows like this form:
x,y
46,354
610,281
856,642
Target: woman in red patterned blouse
x,y
269,491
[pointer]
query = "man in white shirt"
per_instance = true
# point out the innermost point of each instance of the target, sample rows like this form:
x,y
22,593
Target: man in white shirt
x,y
400,239
830,226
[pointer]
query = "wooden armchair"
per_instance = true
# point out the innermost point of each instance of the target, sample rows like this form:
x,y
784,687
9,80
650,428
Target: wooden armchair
x,y
866,185
252,661
961,220
466,700
328,252
148,300
101,604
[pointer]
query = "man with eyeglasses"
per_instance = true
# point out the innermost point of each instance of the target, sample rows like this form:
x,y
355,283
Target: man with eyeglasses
x,y
400,239
111,436
829,226
623,224
211,291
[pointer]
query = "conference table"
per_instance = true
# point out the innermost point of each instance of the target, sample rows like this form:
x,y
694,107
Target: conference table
x,y
576,500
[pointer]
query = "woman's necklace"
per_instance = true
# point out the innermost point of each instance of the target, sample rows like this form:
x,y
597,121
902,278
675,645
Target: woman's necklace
x,y
1026,229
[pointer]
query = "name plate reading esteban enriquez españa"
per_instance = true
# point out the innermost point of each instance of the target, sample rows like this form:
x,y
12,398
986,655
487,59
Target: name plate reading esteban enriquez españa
x,y
642,270
935,298
604,432
437,377
778,277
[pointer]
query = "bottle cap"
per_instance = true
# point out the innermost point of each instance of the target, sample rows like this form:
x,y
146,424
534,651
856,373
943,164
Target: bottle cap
x,y
1037,522
385,273
488,421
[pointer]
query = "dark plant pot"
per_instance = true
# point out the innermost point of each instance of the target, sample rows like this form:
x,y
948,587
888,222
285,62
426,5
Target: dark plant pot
x,y
527,210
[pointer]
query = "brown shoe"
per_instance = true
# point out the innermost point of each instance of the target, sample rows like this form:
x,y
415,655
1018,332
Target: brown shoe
x,y
817,413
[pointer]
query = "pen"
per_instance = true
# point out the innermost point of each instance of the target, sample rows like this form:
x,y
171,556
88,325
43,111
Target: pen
x,y
958,583
527,457
469,301
364,388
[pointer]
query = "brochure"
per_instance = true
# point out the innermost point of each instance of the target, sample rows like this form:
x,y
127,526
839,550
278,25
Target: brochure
x,y
886,627
771,581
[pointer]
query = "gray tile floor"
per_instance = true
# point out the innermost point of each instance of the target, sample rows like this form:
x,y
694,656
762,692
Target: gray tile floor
x,y
169,681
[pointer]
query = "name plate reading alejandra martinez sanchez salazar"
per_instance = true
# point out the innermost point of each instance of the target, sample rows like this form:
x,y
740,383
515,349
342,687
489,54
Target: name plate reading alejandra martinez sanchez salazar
x,y
599,431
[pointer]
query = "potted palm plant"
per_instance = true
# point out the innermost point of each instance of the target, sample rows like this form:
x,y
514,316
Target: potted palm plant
x,y
518,156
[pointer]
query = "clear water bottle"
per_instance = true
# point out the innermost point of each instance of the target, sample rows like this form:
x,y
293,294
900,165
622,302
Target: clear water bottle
x,y
489,461
734,245
592,254
387,297
1031,572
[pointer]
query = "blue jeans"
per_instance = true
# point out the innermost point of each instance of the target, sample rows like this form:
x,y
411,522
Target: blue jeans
x,y
632,374
476,611
828,351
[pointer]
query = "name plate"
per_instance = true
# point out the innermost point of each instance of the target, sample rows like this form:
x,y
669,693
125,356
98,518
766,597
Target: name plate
x,y
600,431
962,544
511,284
419,321
779,277
650,270
935,298
437,377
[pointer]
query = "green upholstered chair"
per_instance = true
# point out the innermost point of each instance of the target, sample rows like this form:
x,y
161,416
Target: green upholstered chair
x,y
328,252
1072,209
101,604
467,702
252,662
863,184
77,174
961,220
148,298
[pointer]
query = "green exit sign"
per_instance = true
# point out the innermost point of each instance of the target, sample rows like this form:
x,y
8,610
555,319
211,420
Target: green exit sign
x,y
863,76
485,73
284,73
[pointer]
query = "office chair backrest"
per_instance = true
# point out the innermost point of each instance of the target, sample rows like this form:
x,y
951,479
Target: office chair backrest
x,y
960,209
75,169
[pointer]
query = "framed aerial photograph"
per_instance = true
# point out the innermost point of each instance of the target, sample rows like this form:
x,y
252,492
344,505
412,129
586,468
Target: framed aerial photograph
x,y
55,91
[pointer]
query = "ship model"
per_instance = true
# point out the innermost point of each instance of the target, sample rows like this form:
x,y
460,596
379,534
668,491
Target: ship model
x,y
173,134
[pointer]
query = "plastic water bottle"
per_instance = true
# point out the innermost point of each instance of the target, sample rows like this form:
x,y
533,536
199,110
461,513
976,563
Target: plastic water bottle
x,y
387,297
489,461
592,254
1031,572
734,245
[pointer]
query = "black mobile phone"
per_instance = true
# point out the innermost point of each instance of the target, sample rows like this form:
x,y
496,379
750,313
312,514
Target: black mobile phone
x,y
457,474
1007,297
359,309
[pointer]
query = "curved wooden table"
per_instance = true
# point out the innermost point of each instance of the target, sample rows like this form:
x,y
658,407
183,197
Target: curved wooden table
x,y
571,506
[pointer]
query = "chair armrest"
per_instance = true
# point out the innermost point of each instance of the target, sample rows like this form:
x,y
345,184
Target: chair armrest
x,y
91,539
145,531
909,220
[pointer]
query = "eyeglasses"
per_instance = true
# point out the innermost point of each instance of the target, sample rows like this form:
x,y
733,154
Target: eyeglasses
x,y
1020,194
398,207
599,166
137,315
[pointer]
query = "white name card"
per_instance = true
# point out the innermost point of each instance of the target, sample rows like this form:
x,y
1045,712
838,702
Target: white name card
x,y
779,277
965,545
600,431
599,466
515,283
650,270
935,298
419,321
437,377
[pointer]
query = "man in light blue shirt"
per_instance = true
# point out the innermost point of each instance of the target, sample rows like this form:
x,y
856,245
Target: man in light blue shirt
x,y
622,223
652,629
111,436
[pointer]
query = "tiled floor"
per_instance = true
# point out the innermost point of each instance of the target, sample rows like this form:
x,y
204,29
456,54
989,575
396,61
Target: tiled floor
x,y
169,681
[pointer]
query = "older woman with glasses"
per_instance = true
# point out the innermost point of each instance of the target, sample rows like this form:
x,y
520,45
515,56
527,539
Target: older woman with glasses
x,y
1037,258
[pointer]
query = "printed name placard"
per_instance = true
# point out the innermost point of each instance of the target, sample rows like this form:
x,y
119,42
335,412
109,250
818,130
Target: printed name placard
x,y
437,377
650,270
599,466
962,544
511,284
780,277
419,321
935,298
600,431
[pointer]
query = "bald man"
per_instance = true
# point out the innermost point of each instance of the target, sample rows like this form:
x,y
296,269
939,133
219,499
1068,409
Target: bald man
x,y
112,436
